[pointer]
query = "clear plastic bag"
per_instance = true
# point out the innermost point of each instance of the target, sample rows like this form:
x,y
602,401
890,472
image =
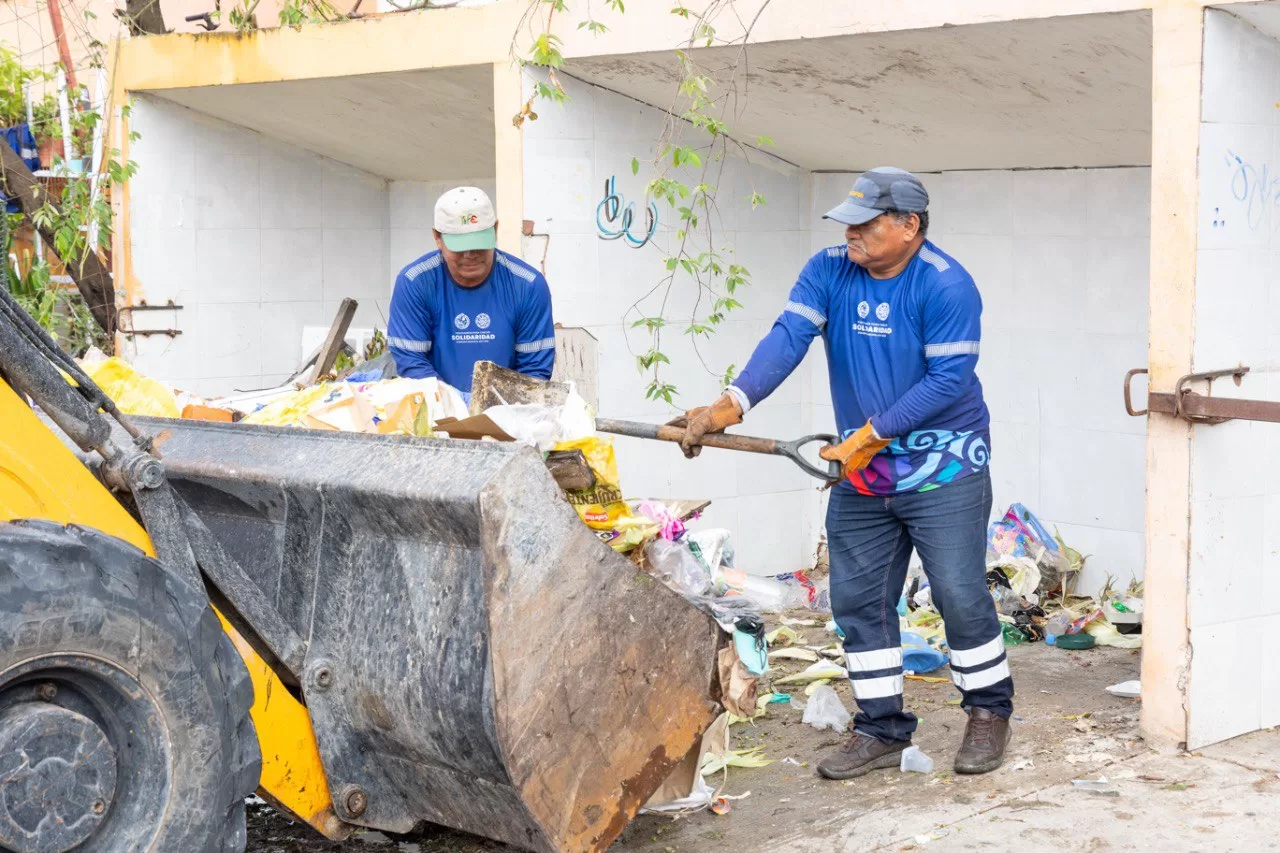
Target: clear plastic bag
x,y
527,422
676,566
826,711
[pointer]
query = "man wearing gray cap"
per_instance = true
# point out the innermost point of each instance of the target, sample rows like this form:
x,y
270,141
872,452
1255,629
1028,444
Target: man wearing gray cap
x,y
900,322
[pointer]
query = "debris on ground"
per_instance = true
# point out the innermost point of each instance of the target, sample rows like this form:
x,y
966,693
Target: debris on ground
x,y
826,711
1126,689
915,761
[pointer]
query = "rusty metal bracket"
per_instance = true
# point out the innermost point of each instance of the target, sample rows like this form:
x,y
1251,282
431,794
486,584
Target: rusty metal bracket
x,y
1128,395
143,306
1198,408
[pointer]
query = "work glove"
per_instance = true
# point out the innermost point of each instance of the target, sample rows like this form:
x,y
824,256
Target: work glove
x,y
856,451
724,412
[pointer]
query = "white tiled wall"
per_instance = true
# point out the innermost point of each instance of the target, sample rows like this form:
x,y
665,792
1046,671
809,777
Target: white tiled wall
x,y
254,238
1235,505
570,152
1061,258
412,204
257,240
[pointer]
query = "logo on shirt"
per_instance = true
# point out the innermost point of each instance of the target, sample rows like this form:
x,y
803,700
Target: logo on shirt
x,y
869,327
482,321
462,321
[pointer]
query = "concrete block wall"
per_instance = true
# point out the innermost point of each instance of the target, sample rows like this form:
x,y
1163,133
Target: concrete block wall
x,y
1061,258
256,239
1234,587
570,153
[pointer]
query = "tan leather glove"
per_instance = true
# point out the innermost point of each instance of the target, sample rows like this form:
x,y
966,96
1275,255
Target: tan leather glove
x,y
856,451
724,412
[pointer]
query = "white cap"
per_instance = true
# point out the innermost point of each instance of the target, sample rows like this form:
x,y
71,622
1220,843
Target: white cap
x,y
466,220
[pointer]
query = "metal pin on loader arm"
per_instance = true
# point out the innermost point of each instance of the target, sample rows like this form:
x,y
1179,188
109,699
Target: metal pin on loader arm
x,y
725,441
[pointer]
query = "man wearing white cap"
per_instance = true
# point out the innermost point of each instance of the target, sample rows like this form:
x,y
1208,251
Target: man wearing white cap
x,y
469,301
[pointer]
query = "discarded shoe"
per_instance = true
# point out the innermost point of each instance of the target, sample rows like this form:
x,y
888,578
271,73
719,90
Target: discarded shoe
x,y
985,739
860,755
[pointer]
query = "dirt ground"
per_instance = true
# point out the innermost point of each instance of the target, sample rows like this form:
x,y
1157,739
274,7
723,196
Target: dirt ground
x,y
1066,727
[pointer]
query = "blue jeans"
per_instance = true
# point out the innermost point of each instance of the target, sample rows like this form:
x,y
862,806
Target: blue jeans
x,y
870,539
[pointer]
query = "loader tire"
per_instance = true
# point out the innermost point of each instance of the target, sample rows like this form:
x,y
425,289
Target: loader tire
x,y
124,708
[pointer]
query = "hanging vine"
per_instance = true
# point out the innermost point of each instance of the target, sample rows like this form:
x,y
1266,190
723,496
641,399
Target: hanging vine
x,y
685,173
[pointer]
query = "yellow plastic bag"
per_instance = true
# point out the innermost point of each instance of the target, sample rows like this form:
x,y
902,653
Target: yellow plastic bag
x,y
291,409
134,393
601,507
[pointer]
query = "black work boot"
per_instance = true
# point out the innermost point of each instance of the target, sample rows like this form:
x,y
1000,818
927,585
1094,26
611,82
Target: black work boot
x,y
860,755
985,738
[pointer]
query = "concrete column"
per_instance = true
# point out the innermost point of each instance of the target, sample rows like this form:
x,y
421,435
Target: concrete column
x,y
1176,58
508,97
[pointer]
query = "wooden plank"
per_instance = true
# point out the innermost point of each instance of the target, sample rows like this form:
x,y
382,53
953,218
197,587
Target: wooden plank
x,y
334,342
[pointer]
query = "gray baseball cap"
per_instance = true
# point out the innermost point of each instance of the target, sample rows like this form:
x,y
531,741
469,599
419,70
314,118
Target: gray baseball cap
x,y
878,190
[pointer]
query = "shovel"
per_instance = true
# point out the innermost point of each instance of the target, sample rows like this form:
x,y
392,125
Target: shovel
x,y
746,443
492,385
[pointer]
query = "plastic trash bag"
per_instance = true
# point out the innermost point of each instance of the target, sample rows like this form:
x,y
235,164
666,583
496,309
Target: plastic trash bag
x,y
132,392
826,711
712,546
1105,634
528,423
918,656
1020,534
669,526
575,417
676,566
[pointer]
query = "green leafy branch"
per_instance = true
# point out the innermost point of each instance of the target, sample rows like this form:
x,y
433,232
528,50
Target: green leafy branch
x,y
691,152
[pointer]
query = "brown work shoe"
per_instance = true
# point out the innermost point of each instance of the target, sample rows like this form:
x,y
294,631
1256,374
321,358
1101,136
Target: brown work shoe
x,y
985,738
860,755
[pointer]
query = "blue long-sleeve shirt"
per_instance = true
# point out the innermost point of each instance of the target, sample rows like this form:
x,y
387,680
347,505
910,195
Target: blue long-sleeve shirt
x,y
901,353
439,328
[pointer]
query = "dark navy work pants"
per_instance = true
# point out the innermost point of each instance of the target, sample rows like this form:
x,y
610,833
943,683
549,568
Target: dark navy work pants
x,y
870,540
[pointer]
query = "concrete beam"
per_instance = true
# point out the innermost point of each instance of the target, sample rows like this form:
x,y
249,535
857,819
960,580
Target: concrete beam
x,y
508,154
1177,53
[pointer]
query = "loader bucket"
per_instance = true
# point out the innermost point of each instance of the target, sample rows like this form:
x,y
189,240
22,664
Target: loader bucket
x,y
477,658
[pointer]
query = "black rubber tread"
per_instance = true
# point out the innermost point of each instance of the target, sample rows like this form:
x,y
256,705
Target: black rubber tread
x,y
178,651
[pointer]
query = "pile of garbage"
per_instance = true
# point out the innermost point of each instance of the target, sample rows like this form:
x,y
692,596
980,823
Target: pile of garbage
x,y
1032,576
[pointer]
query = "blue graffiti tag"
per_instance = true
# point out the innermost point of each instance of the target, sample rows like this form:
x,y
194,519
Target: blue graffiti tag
x,y
1255,187
611,206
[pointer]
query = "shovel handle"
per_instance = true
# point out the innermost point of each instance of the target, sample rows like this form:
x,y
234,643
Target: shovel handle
x,y
663,432
726,441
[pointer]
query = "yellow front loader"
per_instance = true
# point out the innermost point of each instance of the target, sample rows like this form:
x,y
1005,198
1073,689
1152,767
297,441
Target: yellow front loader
x,y
371,631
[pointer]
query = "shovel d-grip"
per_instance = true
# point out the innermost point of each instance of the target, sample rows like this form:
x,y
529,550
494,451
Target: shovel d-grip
x,y
724,441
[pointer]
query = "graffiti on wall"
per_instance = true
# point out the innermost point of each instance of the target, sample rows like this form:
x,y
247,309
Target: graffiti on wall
x,y
1255,186
615,217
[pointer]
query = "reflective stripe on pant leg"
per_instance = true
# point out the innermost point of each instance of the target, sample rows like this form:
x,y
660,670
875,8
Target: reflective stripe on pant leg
x,y
948,527
869,553
875,674
980,667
